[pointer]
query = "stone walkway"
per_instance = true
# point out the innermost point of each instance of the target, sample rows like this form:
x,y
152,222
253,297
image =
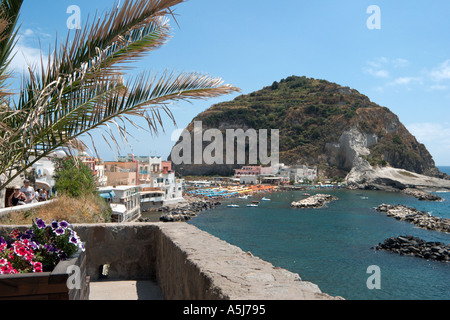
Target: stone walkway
x,y
124,290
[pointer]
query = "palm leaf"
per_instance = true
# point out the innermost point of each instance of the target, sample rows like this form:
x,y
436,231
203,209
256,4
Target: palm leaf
x,y
82,87
9,14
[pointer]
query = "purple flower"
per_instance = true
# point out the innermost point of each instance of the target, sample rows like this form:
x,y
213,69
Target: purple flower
x,y
40,223
2,240
50,248
73,240
63,224
59,231
27,235
55,225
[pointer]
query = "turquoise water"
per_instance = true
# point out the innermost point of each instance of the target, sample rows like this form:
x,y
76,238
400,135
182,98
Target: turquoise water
x,y
331,246
444,169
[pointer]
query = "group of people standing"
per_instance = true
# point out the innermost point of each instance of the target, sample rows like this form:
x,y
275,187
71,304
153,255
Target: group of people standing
x,y
26,195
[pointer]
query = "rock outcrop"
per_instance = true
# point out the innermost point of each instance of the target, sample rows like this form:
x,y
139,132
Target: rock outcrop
x,y
364,176
315,201
419,218
414,246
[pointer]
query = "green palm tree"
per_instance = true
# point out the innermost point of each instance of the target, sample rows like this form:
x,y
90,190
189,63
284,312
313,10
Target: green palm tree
x,y
81,86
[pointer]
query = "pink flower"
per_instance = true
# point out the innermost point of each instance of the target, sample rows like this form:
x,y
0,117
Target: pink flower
x,y
8,269
14,234
4,270
29,257
13,271
20,251
3,262
37,267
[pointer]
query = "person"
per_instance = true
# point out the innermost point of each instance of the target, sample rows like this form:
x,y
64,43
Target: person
x,y
29,192
17,198
42,195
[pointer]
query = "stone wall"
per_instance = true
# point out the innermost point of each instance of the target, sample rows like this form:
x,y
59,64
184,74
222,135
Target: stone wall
x,y
187,263
193,264
129,249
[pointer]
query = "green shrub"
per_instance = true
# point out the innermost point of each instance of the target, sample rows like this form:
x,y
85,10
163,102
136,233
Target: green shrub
x,y
397,140
74,178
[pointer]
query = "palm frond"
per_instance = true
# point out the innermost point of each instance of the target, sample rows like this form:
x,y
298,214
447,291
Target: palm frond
x,y
9,14
82,88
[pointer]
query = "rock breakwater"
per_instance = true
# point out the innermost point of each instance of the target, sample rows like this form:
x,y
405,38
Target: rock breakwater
x,y
186,212
419,218
421,195
414,246
315,201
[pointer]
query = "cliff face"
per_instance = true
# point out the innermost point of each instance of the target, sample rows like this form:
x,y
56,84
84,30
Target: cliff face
x,y
321,124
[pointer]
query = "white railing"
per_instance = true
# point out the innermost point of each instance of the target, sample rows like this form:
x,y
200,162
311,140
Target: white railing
x,y
25,207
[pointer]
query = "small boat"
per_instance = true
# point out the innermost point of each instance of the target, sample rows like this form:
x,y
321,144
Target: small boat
x,y
243,197
265,199
252,205
364,198
306,194
233,206
256,202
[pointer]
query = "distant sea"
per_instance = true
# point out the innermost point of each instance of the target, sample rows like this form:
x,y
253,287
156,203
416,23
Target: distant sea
x,y
444,169
331,246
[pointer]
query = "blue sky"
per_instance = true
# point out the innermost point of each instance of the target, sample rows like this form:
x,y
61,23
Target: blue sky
x,y
404,66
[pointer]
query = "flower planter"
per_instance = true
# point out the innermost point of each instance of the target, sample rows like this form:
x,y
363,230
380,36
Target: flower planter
x,y
49,285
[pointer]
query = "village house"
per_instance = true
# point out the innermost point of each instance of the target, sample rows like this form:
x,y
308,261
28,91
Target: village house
x,y
298,174
124,202
155,178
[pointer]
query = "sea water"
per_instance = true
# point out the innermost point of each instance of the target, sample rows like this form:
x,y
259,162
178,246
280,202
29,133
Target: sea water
x,y
445,169
333,246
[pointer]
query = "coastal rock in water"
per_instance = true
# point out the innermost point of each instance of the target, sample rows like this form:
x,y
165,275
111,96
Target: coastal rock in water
x,y
315,201
420,218
414,246
186,212
422,195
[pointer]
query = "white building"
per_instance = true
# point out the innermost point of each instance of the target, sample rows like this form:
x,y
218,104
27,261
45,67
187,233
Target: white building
x,y
44,169
102,179
163,189
125,202
249,180
155,178
297,173
304,172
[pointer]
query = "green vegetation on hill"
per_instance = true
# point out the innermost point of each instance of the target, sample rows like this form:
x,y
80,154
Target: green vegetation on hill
x,y
305,110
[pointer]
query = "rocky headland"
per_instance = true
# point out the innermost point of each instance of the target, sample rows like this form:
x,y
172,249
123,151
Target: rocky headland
x,y
315,201
414,246
322,124
419,218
